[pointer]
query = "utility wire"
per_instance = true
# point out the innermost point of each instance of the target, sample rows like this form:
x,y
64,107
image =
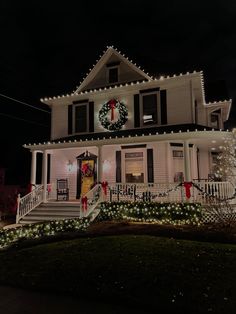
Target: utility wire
x,y
24,103
17,118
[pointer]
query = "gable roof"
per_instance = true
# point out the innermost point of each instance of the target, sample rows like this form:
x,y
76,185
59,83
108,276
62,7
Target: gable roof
x,y
102,62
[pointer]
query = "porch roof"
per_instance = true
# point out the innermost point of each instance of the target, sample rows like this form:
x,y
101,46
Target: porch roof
x,y
139,135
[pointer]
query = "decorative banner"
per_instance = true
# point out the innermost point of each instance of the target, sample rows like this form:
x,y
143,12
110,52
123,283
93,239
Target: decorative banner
x,y
104,187
188,186
84,202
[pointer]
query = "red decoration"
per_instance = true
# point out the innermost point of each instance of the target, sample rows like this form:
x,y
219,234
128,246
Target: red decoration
x,y
84,202
112,104
104,187
87,170
188,186
49,188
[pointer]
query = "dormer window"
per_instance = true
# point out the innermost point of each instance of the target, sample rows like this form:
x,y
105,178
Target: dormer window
x,y
215,119
113,72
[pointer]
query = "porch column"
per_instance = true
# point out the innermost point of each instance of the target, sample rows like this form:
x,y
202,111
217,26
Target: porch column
x,y
44,175
99,163
33,168
187,173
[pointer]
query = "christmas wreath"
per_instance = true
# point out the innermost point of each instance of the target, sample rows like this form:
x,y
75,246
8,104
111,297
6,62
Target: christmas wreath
x,y
108,123
87,170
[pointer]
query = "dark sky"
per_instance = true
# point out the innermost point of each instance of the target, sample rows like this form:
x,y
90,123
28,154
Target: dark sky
x,y
48,46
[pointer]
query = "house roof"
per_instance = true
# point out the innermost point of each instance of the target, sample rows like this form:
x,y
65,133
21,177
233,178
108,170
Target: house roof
x,y
145,78
102,62
225,105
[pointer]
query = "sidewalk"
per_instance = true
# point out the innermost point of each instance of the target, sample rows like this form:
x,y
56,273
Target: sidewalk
x,y
19,301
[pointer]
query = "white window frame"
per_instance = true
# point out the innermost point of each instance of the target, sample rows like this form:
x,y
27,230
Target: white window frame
x,y
134,150
87,117
157,93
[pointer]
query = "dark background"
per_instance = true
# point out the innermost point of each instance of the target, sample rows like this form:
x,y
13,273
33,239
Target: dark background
x,y
48,46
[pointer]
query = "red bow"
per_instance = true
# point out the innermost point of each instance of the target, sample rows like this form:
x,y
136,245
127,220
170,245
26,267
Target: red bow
x,y
188,186
104,187
84,202
85,168
112,104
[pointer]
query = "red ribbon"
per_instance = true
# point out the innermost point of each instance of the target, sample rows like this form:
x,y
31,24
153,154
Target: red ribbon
x,y
112,104
84,202
104,187
188,186
85,168
49,188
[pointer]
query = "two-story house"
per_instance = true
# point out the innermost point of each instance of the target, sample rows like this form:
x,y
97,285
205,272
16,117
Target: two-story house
x,y
121,125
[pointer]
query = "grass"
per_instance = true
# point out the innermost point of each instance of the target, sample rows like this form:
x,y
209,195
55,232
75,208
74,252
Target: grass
x,y
144,271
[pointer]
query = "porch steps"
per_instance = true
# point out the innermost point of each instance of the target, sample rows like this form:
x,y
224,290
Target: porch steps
x,y
49,211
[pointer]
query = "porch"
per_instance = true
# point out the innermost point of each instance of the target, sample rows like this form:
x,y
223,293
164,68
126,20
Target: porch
x,y
195,192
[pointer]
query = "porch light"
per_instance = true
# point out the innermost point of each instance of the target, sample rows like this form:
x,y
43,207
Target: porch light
x,y
69,165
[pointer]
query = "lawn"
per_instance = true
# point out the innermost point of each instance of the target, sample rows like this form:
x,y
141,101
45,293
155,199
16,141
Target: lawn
x,y
148,272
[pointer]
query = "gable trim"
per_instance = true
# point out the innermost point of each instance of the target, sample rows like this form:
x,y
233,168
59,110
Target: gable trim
x,y
102,62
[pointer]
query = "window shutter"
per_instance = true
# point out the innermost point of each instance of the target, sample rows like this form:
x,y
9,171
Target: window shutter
x,y
69,119
118,166
136,111
150,170
91,116
163,107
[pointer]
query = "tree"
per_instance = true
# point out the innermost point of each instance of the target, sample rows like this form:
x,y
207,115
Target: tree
x,y
225,167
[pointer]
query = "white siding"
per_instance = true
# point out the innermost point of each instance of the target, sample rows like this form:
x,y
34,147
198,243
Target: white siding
x,y
59,126
179,104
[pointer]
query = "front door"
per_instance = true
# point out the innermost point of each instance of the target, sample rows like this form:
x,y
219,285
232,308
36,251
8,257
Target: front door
x,y
86,173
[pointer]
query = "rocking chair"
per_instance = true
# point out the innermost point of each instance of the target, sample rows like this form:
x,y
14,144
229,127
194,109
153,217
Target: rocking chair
x,y
62,189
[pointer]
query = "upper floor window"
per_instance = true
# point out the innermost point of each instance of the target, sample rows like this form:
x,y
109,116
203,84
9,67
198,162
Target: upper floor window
x,y
150,111
113,69
215,119
81,118
113,75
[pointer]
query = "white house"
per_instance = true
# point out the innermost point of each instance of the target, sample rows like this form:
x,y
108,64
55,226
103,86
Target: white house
x,y
123,126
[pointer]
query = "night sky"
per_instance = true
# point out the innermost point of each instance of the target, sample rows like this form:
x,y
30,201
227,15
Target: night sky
x,y
48,46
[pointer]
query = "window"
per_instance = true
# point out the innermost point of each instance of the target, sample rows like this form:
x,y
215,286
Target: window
x,y
178,153
134,170
215,119
80,113
149,109
113,75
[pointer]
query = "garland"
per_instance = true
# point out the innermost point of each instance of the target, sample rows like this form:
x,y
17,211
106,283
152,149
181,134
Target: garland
x,y
112,105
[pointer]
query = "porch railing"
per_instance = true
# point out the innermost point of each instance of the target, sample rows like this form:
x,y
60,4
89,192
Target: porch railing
x,y
29,202
90,200
170,192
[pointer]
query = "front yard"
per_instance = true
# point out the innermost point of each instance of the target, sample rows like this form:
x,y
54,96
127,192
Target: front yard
x,y
143,271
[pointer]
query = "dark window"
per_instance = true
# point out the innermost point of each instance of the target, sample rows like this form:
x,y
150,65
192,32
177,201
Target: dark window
x,y
150,109
113,75
81,118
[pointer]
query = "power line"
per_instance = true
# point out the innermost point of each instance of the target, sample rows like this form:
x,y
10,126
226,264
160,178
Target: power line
x,y
17,118
24,103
